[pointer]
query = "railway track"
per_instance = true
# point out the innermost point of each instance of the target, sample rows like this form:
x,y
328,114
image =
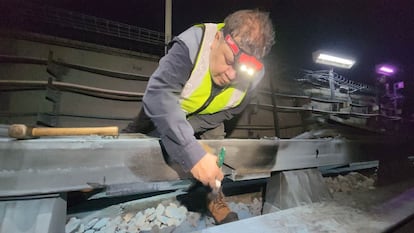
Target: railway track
x,y
42,173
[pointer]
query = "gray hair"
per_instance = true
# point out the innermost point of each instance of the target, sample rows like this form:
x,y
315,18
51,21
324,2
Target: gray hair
x,y
254,31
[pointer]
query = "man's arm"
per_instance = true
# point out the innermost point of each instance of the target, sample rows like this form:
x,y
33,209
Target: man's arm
x,y
161,104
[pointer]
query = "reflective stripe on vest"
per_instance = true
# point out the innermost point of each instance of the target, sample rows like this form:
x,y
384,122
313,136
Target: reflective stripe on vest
x,y
197,90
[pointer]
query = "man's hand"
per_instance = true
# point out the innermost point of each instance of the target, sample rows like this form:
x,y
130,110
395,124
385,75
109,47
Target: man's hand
x,y
207,171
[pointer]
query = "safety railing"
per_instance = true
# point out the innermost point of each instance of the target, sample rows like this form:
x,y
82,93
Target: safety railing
x,y
78,21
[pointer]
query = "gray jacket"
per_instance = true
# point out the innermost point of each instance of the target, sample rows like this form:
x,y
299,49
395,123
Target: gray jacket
x,y
161,102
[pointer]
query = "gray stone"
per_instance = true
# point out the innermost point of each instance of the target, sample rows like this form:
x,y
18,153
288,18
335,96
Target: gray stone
x,y
91,223
72,225
101,223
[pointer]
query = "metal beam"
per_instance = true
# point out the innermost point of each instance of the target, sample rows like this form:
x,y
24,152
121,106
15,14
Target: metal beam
x,y
63,164
36,214
53,165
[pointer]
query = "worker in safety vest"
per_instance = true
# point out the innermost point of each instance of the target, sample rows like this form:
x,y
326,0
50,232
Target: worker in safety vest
x,y
206,77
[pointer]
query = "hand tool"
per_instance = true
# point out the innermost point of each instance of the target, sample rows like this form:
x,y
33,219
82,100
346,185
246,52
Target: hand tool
x,y
21,131
220,162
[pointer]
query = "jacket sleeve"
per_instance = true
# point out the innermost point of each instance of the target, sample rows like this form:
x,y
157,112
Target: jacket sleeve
x,y
161,104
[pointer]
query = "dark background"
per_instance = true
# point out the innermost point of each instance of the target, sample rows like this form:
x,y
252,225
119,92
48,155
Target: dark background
x,y
371,31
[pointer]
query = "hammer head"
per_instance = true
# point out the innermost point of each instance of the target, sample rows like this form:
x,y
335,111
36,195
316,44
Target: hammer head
x,y
20,131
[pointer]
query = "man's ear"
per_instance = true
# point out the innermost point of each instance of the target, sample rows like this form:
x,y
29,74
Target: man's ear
x,y
217,36
216,39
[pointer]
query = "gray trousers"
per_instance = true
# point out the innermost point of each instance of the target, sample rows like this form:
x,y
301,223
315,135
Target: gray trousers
x,y
216,133
143,124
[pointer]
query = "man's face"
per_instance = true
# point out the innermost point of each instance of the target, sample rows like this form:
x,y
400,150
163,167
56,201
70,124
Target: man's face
x,y
221,62
229,62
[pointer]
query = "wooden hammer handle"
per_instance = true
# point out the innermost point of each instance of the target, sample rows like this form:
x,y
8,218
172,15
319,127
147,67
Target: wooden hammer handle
x,y
21,131
103,131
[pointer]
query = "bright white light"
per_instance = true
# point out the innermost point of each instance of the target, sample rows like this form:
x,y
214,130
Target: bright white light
x,y
327,59
250,71
243,67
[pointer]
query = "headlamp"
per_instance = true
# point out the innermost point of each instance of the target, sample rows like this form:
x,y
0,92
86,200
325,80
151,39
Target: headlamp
x,y
244,63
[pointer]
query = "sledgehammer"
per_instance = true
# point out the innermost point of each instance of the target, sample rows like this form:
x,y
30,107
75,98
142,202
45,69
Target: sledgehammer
x,y
21,131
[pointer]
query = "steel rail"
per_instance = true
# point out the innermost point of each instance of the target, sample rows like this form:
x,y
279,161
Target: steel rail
x,y
62,164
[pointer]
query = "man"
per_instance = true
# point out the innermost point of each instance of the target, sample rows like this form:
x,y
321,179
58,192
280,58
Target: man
x,y
207,77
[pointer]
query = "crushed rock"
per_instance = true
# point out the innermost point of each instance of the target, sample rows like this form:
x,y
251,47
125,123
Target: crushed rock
x,y
163,218
348,183
169,216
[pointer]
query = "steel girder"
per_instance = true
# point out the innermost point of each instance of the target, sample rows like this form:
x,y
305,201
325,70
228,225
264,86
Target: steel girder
x,y
61,164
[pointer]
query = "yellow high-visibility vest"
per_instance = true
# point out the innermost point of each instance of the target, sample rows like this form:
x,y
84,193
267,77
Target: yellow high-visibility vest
x,y
196,94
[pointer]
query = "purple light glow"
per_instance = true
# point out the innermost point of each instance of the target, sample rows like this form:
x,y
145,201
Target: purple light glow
x,y
399,85
386,70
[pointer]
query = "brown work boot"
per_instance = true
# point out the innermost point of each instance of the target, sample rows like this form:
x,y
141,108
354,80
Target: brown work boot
x,y
219,209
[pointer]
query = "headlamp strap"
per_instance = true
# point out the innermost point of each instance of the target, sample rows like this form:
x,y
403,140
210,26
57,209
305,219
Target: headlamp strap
x,y
232,44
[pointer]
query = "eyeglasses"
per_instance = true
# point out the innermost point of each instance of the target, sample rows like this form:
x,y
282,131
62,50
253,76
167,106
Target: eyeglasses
x,y
244,63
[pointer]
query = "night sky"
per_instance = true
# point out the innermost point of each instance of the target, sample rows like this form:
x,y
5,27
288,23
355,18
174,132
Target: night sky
x,y
371,31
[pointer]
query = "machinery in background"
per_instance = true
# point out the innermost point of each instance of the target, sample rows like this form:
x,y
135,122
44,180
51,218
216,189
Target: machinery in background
x,y
373,108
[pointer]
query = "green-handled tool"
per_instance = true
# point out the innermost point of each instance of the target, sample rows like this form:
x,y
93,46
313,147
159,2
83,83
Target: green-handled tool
x,y
220,162
221,156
